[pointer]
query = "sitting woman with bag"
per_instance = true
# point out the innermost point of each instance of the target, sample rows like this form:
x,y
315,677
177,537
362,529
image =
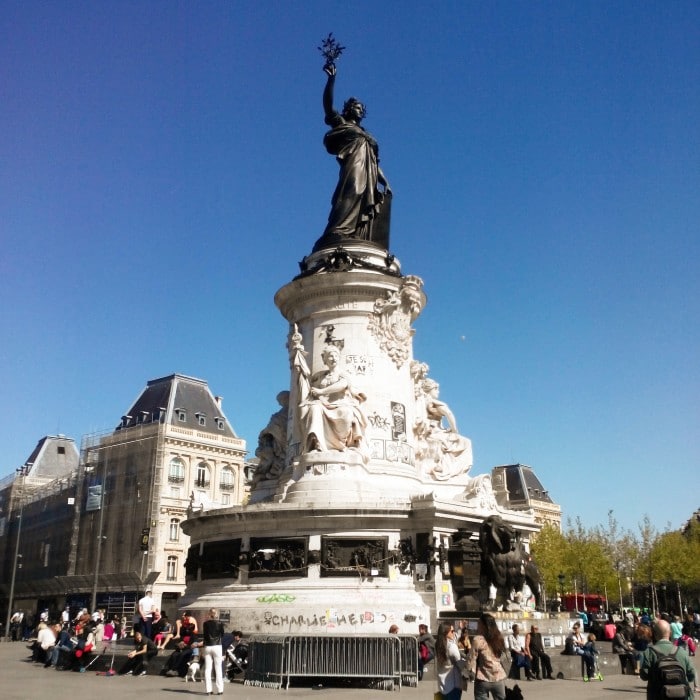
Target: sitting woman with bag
x,y
449,664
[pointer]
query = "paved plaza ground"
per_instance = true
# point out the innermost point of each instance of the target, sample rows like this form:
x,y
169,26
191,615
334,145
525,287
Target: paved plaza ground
x,y
22,680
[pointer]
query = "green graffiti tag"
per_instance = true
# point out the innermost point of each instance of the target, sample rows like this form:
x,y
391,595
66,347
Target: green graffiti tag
x,y
276,598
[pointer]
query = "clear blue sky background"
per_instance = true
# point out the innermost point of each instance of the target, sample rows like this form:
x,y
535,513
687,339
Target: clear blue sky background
x,y
162,172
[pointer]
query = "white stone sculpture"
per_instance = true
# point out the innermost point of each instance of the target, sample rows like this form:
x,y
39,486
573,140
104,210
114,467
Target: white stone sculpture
x,y
390,322
272,444
330,416
479,493
441,452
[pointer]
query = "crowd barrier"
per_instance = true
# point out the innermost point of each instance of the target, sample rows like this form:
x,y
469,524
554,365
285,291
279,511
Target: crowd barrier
x,y
266,661
384,661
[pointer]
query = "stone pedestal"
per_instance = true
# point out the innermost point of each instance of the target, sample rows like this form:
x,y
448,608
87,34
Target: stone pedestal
x,y
368,480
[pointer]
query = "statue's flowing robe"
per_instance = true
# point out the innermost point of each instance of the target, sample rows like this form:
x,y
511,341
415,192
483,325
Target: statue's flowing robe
x,y
356,199
336,420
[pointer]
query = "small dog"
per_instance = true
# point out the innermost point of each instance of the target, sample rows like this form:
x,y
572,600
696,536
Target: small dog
x,y
192,671
514,693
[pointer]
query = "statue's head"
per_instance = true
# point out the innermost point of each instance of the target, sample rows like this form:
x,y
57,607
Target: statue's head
x,y
430,386
354,109
331,355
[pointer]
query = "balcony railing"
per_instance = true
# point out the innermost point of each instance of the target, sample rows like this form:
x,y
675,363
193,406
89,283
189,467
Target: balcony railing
x,y
175,478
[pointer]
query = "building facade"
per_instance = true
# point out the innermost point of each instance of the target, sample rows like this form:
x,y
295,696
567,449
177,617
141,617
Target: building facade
x,y
173,450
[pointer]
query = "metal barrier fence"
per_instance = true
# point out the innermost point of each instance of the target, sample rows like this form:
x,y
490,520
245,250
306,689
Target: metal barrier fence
x,y
266,656
409,660
384,661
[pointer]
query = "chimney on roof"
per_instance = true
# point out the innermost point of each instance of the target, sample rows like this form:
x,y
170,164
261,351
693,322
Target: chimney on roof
x,y
218,400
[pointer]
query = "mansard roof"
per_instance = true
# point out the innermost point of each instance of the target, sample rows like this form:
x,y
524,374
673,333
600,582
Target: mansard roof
x,y
54,456
523,484
177,399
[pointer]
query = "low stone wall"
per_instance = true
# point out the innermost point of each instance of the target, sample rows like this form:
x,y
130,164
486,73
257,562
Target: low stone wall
x,y
571,667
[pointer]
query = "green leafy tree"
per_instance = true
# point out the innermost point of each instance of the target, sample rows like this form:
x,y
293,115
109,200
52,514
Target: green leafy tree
x,y
548,549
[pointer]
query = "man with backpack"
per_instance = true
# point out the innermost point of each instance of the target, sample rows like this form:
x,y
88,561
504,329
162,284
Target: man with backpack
x,y
426,648
666,667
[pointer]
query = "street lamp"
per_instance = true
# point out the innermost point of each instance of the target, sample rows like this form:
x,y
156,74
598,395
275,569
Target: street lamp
x,y
561,578
21,472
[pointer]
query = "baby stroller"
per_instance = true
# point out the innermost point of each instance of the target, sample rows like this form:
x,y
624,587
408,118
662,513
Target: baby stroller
x,y
236,659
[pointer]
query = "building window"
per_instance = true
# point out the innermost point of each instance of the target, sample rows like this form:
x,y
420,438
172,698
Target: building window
x,y
171,573
201,418
181,414
225,499
174,532
60,449
219,423
226,479
202,478
175,492
176,471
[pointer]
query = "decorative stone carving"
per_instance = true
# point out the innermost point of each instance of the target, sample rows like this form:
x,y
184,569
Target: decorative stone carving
x,y
272,444
329,414
391,319
441,452
479,493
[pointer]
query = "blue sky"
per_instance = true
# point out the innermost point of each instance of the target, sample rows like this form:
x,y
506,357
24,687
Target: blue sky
x,y
162,172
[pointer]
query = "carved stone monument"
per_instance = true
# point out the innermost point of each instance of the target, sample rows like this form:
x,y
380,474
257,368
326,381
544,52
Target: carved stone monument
x,y
364,460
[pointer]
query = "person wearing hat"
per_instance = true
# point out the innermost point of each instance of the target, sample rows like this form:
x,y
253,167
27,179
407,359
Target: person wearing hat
x,y
146,605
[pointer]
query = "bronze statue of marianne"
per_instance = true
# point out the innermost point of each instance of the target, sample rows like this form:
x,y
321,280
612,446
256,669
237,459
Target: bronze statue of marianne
x,y
359,208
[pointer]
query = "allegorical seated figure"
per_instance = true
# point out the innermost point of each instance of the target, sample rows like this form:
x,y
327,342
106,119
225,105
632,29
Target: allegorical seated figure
x,y
330,412
272,443
442,452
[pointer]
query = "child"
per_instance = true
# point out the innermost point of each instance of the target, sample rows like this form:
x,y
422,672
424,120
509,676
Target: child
x,y
589,657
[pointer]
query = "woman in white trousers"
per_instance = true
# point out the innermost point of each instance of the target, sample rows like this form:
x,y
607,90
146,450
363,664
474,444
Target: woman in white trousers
x,y
212,651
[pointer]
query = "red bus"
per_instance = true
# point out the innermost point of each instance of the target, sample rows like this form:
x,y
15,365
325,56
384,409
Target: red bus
x,y
590,602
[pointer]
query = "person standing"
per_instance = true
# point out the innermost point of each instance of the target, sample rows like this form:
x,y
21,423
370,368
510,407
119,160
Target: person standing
x,y
485,660
146,607
449,663
65,617
426,648
663,646
212,652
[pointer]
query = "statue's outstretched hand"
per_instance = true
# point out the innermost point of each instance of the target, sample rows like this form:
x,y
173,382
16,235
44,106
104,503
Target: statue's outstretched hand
x,y
329,70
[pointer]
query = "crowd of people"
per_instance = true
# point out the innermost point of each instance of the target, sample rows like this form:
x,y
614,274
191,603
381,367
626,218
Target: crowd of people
x,y
644,642
75,642
461,657
71,641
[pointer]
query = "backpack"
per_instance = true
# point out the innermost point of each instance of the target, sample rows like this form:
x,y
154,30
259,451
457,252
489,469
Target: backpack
x,y
425,653
667,676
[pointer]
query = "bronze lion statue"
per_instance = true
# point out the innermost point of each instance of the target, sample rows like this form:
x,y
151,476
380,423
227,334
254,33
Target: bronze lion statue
x,y
505,564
